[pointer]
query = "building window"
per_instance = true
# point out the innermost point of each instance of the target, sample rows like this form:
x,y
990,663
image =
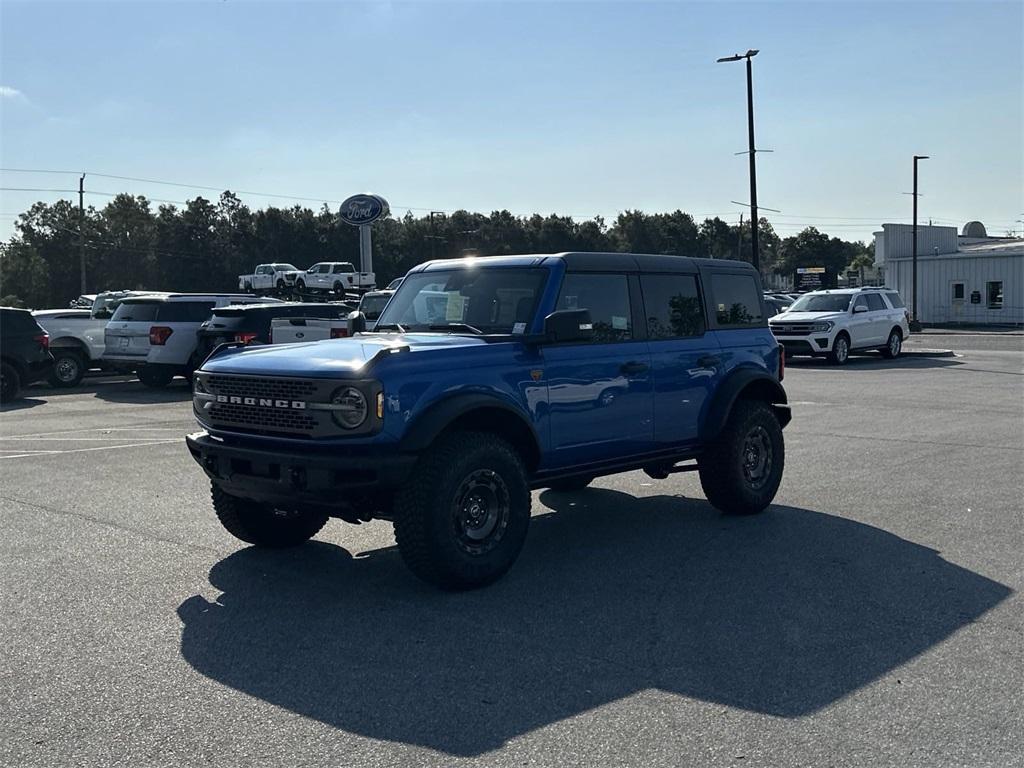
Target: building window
x,y
994,291
958,293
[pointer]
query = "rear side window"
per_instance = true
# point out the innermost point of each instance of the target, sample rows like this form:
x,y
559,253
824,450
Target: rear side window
x,y
607,298
897,301
875,302
672,306
184,311
140,311
339,268
736,300
19,322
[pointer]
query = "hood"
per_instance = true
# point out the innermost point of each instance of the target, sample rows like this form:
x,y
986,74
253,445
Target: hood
x,y
806,317
329,358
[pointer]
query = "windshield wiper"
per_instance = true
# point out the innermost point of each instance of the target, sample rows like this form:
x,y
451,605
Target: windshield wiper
x,y
382,326
453,326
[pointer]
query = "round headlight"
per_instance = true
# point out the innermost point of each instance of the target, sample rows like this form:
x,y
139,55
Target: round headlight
x,y
351,407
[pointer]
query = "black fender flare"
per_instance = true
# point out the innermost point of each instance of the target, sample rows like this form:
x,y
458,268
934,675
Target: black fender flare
x,y
439,416
754,382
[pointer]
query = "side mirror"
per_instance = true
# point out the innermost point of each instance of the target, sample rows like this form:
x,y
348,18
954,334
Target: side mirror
x,y
859,308
356,323
569,325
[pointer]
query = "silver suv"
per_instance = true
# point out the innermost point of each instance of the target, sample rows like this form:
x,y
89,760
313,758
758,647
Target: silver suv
x,y
835,323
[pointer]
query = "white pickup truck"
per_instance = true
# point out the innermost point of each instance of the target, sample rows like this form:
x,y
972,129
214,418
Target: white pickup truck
x,y
338,277
76,335
269,277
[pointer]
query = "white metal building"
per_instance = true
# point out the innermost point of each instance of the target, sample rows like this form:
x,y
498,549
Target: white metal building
x,y
968,278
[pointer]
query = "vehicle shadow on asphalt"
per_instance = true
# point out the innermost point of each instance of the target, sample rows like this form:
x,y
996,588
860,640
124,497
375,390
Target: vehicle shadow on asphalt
x,y
875,361
177,391
21,404
782,614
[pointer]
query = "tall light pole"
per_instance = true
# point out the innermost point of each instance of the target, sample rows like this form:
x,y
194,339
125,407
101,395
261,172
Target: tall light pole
x,y
754,221
913,279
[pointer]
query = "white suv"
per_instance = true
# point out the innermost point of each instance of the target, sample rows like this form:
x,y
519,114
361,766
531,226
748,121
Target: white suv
x,y
157,335
835,323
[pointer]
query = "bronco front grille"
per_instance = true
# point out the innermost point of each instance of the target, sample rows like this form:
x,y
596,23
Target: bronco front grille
x,y
264,404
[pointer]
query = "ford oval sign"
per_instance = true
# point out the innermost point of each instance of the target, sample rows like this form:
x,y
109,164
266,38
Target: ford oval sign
x,y
363,209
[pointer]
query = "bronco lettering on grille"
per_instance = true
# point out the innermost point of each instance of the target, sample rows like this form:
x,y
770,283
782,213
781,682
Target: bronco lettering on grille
x,y
297,405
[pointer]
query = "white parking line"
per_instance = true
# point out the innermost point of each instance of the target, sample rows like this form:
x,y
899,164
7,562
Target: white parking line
x,y
83,450
98,429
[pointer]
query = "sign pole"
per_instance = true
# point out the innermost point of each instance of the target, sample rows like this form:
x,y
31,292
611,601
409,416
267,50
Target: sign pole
x,y
365,249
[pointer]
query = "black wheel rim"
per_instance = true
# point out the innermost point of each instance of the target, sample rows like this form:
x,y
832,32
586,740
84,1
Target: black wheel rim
x,y
481,508
66,369
757,457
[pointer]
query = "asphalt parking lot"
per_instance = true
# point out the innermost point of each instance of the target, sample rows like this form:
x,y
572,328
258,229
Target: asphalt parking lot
x,y
873,616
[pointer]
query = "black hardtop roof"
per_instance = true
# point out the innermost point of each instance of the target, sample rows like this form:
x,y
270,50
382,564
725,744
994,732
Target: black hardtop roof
x,y
584,261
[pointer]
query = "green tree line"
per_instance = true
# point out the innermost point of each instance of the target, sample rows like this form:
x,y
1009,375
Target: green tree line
x,y
206,244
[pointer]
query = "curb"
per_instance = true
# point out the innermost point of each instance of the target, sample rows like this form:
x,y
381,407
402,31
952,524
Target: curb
x,y
925,352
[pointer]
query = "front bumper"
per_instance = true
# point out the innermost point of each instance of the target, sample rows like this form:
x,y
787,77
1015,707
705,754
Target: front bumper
x,y
320,476
813,344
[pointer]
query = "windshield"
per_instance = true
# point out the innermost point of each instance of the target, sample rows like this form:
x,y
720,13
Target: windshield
x,y
141,311
372,306
488,300
284,268
822,302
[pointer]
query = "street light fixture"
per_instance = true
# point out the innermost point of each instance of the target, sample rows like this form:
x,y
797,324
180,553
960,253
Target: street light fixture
x,y
751,151
916,325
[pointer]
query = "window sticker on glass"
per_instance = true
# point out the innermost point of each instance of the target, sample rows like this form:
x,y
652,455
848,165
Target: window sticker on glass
x,y
455,309
519,328
619,323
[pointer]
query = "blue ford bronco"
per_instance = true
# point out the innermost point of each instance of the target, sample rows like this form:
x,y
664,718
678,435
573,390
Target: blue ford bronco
x,y
486,378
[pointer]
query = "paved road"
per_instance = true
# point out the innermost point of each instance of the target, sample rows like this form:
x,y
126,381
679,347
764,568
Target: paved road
x,y
872,617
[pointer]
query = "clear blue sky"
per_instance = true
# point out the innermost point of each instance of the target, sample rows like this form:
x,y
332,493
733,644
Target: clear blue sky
x,y
577,108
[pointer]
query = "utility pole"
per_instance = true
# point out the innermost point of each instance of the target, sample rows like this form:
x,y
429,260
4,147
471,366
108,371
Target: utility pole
x,y
433,237
81,230
913,279
755,250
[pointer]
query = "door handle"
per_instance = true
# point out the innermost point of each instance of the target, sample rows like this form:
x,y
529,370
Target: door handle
x,y
709,361
633,367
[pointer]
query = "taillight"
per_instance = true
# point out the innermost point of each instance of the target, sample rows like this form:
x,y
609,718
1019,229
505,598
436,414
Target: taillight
x,y
159,334
339,333
43,340
245,338
782,362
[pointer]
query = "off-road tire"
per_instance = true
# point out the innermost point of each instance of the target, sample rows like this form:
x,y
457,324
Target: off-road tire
x,y
262,525
280,284
154,378
570,485
893,346
838,355
430,535
300,285
247,287
68,368
10,383
338,287
722,465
